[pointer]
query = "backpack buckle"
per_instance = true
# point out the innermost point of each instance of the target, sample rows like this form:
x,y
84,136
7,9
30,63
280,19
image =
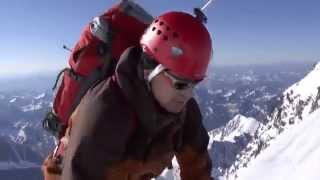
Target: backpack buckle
x,y
52,124
100,29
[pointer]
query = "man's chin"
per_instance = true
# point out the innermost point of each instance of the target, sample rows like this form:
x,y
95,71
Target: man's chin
x,y
177,108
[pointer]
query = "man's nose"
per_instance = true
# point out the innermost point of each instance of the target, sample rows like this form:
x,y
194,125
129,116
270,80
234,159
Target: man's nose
x,y
186,93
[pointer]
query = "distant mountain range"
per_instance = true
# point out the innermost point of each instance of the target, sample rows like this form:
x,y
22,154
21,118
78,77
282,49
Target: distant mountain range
x,y
18,161
227,98
252,91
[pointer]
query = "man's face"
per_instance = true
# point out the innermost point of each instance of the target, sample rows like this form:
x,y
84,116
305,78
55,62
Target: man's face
x,y
171,93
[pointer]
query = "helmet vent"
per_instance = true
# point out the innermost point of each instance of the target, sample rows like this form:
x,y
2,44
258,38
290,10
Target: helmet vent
x,y
165,38
168,28
175,35
161,23
154,28
156,20
159,32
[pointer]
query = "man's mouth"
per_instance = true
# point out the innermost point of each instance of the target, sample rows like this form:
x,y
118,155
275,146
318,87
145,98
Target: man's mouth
x,y
180,102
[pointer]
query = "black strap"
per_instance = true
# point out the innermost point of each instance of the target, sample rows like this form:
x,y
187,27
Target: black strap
x,y
87,83
75,76
58,77
71,73
96,76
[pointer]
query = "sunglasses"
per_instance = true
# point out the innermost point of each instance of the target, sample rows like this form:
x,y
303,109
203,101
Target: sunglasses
x,y
180,84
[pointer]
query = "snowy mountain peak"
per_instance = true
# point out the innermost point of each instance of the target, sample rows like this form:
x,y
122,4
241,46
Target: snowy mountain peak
x,y
238,126
228,141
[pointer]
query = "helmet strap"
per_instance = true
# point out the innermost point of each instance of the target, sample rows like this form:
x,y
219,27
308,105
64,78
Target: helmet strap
x,y
150,74
155,72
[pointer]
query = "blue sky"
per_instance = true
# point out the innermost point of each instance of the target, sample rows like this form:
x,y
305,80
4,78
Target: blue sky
x,y
244,31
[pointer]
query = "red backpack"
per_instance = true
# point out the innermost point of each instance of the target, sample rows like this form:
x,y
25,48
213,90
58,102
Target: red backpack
x,y
94,58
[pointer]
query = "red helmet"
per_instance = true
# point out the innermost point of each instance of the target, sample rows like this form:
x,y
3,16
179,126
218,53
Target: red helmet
x,y
181,43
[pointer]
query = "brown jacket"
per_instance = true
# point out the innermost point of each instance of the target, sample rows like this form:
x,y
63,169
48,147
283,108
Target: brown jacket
x,y
121,133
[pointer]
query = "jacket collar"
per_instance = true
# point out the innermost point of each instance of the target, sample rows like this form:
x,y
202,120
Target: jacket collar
x,y
130,78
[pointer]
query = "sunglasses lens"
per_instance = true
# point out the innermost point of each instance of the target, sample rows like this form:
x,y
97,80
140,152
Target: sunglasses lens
x,y
181,85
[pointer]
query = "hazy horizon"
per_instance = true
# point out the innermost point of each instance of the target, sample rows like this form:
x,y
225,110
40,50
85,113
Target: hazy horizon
x,y
243,32
54,71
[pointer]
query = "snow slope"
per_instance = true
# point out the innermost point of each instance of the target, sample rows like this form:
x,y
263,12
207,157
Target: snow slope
x,y
294,155
297,103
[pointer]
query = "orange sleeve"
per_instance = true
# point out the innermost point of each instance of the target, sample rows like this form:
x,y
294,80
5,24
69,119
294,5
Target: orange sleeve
x,y
193,156
194,165
50,169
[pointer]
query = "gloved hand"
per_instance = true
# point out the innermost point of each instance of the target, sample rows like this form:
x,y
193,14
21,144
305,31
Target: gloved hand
x,y
50,168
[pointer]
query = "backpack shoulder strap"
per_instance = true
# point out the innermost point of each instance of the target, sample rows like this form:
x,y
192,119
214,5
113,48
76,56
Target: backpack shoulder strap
x,y
136,11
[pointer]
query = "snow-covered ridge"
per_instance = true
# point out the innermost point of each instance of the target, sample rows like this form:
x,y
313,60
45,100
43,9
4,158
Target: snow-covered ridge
x,y
297,102
308,86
